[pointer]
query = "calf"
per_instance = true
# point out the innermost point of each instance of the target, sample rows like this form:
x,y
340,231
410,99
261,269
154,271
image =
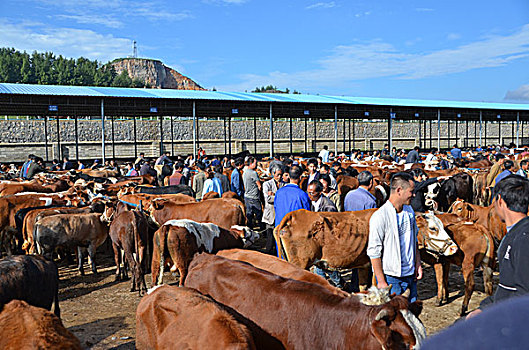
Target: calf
x,y
23,326
32,279
182,318
129,234
282,307
485,216
476,248
182,239
278,267
70,231
33,216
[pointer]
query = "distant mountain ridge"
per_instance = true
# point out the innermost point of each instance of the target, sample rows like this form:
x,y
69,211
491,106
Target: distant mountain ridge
x,y
154,73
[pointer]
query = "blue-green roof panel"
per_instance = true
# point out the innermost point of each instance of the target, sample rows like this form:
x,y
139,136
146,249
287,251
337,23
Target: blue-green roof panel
x,y
56,90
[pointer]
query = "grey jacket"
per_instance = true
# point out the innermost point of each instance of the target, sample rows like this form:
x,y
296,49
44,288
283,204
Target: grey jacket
x,y
269,213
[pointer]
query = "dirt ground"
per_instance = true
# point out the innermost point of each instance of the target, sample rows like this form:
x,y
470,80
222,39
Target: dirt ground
x,y
101,312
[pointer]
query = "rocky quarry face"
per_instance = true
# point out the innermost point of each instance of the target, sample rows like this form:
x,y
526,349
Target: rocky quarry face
x,y
155,73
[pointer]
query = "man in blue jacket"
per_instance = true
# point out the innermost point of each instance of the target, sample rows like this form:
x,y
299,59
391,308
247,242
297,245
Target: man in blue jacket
x,y
290,197
237,184
456,152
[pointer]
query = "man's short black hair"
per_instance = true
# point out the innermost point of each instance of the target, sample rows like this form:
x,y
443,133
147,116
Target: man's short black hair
x,y
295,172
201,165
326,167
179,165
365,178
238,162
312,161
523,162
514,190
325,147
318,186
499,156
326,178
400,179
417,148
508,164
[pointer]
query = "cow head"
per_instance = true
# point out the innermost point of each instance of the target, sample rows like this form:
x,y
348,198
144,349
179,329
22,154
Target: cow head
x,y
396,324
246,234
462,209
431,195
433,236
108,213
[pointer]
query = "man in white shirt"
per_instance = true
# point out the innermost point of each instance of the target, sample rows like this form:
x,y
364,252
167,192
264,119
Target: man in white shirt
x,y
324,154
392,245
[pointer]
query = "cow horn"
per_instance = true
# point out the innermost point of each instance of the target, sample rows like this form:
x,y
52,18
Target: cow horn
x,y
383,313
406,293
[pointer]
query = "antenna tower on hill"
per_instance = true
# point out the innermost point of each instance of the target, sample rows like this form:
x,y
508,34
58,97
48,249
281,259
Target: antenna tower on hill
x,y
134,49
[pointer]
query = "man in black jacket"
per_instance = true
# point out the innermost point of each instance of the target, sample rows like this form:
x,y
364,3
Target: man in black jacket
x,y
511,201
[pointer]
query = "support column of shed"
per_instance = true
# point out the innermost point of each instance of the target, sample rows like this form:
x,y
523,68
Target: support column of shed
x,y
46,137
135,137
517,129
76,138
438,130
271,132
102,131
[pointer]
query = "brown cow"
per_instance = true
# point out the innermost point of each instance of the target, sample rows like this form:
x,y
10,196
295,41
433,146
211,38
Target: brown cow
x,y
33,216
182,318
485,216
8,188
282,307
278,267
336,240
10,205
32,279
182,239
129,232
69,231
210,195
344,184
23,326
223,212
476,249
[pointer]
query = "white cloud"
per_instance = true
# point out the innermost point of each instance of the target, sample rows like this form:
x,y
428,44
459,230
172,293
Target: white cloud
x,y
453,36
520,94
112,13
376,59
325,5
225,2
68,42
424,9
93,19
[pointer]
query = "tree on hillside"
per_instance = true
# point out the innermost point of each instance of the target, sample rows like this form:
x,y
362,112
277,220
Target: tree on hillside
x,y
122,80
46,68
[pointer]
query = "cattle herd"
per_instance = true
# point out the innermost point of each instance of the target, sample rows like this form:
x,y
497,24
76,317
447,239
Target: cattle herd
x,y
230,295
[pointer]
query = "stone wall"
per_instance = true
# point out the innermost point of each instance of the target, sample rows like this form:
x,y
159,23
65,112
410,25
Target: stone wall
x,y
20,137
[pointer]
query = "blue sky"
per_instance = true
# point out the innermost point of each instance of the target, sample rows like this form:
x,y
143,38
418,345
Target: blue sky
x,y
455,50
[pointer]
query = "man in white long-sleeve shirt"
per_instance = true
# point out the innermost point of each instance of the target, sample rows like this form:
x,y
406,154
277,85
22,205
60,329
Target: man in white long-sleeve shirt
x,y
392,245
